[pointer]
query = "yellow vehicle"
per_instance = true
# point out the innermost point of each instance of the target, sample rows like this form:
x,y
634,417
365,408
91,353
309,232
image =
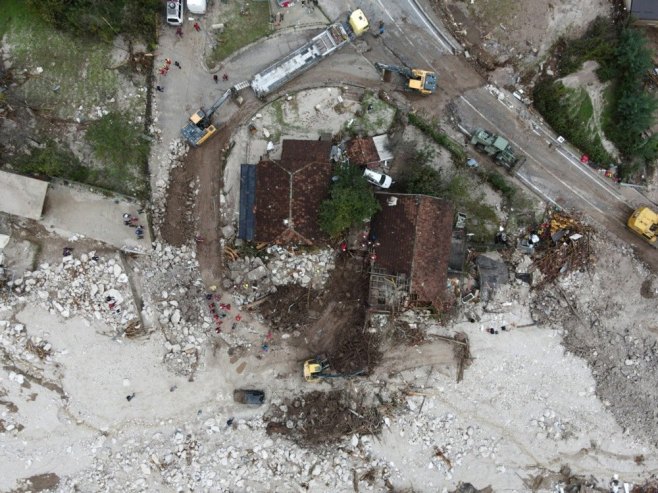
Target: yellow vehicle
x,y
644,222
316,369
200,127
422,81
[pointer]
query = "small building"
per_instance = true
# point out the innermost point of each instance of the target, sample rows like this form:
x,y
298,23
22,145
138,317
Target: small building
x,y
371,152
412,237
288,194
22,196
644,11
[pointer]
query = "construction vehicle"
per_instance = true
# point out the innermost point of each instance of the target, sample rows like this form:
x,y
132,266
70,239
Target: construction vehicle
x,y
497,147
421,81
316,369
200,127
644,222
305,57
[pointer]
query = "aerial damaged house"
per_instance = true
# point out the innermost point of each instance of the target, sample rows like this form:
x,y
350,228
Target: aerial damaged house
x,y
371,152
287,194
412,236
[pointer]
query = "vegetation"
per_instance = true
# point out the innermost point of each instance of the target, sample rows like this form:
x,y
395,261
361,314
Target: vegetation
x,y
633,107
123,147
598,44
351,201
456,150
52,161
100,19
624,60
569,112
241,28
419,177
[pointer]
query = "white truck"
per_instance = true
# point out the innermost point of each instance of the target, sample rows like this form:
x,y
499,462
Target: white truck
x,y
305,57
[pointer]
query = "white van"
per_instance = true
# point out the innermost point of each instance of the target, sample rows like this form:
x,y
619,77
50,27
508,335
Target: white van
x,y
175,12
197,7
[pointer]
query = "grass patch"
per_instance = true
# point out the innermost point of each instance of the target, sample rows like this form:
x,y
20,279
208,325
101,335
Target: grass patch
x,y
599,44
15,13
240,30
569,112
124,149
52,160
454,148
75,73
374,117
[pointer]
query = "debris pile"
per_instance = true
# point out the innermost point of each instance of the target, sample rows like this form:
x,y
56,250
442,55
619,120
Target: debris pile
x,y
566,246
323,417
253,277
87,285
174,301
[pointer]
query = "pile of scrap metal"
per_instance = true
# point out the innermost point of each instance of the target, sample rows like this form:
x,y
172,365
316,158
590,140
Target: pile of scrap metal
x,y
561,244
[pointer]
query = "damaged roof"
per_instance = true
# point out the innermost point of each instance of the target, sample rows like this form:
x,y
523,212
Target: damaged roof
x,y
415,238
289,193
362,152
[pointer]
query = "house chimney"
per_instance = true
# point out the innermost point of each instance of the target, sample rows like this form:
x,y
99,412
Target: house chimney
x,y
392,201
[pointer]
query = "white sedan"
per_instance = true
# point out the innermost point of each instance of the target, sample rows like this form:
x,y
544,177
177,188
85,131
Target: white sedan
x,y
378,179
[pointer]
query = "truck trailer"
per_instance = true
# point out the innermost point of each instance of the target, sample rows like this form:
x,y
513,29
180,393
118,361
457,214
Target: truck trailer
x,y
305,57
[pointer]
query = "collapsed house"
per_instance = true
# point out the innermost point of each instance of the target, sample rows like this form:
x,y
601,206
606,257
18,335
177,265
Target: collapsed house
x,y
412,236
370,152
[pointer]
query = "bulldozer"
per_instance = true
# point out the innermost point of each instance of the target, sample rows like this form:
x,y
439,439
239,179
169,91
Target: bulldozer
x,y
317,368
421,81
200,127
497,147
644,222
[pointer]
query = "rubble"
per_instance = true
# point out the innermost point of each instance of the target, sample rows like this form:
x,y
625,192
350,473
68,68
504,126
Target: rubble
x,y
253,277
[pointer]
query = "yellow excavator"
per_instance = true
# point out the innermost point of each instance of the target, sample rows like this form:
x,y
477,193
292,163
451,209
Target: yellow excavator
x,y
644,222
422,81
200,127
316,369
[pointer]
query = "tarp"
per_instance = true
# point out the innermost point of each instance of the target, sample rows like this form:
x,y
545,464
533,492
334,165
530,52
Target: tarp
x,y
247,221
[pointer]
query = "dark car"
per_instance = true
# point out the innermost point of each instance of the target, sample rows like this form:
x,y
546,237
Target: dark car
x,y
249,396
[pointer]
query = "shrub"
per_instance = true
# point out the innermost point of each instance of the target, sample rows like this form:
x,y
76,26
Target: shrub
x,y
53,161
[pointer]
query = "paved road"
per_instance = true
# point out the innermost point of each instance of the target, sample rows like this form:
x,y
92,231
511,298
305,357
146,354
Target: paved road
x,y
554,173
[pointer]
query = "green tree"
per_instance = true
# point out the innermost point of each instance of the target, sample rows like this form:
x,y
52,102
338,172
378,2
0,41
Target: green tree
x,y
351,201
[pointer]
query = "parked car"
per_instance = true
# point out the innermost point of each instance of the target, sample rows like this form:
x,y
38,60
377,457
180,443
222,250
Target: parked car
x,y
197,6
175,12
249,396
379,179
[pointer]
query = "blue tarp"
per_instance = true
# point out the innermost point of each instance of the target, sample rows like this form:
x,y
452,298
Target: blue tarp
x,y
247,201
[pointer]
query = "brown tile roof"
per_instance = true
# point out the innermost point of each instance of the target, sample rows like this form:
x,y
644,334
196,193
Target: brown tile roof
x,y
415,238
296,154
362,152
292,189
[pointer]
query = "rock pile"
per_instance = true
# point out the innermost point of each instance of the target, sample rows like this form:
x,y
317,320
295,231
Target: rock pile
x,y
254,277
90,286
166,161
174,301
208,455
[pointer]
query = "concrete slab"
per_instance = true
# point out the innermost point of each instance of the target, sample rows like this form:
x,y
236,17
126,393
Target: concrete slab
x,y
75,209
22,196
